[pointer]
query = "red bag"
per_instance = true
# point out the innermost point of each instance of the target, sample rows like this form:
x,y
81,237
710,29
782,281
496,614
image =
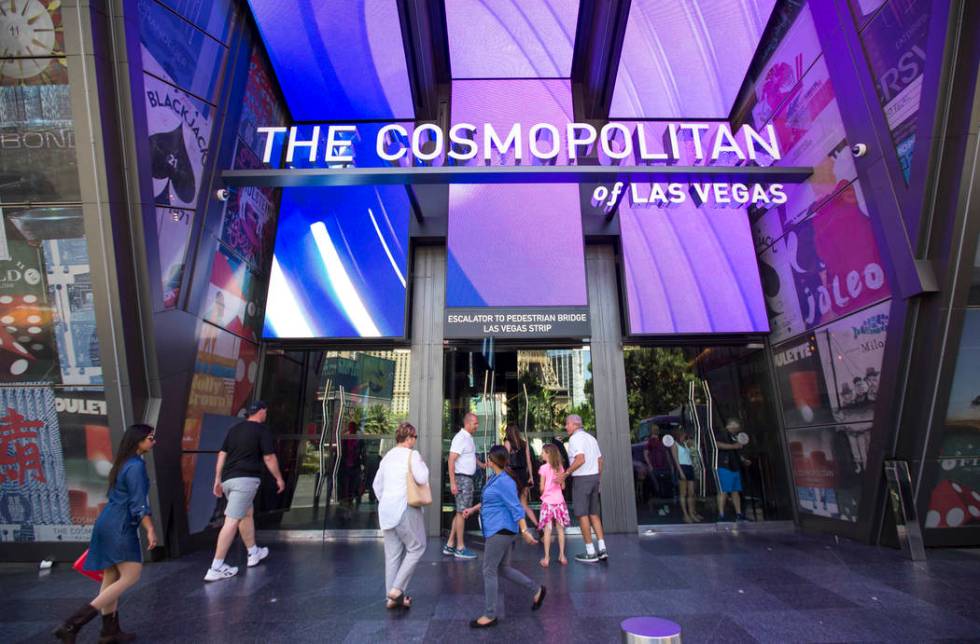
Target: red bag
x,y
79,565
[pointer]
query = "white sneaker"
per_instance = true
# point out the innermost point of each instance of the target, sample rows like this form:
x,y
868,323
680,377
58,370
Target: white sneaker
x,y
224,572
260,554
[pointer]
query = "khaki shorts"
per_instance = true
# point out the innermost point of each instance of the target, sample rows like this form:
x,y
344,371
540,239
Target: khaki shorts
x,y
240,493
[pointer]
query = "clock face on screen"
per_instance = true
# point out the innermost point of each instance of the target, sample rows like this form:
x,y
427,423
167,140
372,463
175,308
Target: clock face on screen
x,y
27,28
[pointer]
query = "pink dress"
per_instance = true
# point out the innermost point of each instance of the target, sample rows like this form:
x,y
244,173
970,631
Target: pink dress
x,y
553,505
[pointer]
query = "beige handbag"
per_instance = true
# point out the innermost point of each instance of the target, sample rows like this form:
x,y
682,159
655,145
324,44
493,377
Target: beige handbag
x,y
418,495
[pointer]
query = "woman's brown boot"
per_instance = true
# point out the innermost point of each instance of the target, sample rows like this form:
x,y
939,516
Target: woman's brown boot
x,y
111,631
68,631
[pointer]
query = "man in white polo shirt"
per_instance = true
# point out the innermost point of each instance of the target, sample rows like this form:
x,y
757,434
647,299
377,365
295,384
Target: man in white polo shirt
x,y
585,468
462,466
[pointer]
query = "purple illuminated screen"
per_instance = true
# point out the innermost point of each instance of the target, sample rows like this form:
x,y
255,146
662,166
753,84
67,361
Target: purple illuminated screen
x,y
684,59
337,59
516,244
511,38
690,270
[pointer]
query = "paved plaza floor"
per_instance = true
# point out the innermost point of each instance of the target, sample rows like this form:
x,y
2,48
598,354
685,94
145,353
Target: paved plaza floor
x,y
723,587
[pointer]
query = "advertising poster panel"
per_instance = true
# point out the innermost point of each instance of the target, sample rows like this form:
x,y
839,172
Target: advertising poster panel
x,y
186,56
811,134
87,444
260,104
802,388
782,304
955,498
234,301
173,236
851,350
248,226
37,135
834,264
780,77
895,42
33,492
28,352
829,465
179,128
70,292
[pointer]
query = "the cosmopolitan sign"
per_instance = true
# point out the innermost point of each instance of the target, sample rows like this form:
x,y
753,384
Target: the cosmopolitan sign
x,y
666,163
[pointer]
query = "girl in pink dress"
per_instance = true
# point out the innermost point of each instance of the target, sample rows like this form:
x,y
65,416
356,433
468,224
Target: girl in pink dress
x,y
554,512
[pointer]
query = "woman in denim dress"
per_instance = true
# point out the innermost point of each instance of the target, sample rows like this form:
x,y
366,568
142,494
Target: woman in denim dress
x,y
115,545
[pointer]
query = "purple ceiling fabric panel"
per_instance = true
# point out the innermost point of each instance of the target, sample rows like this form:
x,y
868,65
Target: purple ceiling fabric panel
x,y
511,38
690,270
684,59
337,59
498,252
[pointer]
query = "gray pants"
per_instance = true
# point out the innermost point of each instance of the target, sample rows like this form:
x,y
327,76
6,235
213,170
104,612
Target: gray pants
x,y
404,546
496,559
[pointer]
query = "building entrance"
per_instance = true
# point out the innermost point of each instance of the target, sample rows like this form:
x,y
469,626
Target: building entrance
x,y
687,404
529,390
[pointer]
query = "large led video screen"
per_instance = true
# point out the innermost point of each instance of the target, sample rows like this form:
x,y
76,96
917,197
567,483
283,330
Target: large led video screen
x,y
340,263
337,59
690,268
517,245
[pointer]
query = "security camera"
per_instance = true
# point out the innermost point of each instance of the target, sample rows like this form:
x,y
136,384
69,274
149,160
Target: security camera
x,y
222,194
859,149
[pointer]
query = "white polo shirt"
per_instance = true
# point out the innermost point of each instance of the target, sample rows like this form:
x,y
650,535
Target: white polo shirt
x,y
465,447
582,442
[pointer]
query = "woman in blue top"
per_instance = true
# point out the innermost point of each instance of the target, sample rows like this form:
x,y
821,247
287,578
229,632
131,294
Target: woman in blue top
x,y
115,546
503,517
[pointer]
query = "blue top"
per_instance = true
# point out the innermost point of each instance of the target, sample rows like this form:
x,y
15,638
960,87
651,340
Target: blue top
x,y
500,507
115,535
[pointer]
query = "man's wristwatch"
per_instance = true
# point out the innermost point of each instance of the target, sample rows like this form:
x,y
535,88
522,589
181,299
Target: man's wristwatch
x,y
524,531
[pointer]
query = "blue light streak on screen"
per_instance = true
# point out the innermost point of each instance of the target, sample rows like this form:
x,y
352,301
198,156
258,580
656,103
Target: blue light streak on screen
x,y
337,59
511,38
341,256
684,59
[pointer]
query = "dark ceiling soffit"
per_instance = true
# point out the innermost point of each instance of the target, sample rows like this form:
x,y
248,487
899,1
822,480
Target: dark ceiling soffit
x,y
311,177
423,24
598,46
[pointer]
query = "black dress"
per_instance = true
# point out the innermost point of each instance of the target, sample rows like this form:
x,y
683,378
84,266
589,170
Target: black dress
x,y
518,464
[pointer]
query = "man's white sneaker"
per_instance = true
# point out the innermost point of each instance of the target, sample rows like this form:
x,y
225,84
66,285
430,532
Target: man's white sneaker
x,y
224,572
260,554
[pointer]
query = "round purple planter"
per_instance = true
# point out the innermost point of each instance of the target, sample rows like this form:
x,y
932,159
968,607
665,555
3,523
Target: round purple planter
x,y
650,629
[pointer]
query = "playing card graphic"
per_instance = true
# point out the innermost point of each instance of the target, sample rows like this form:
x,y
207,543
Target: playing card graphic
x,y
170,162
179,129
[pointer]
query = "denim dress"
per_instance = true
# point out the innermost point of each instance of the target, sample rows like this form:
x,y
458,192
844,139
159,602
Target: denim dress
x,y
115,536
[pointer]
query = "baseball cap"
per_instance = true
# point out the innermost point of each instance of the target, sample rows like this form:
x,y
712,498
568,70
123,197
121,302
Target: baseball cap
x,y
255,407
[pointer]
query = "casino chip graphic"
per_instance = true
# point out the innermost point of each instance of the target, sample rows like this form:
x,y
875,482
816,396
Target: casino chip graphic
x,y
170,162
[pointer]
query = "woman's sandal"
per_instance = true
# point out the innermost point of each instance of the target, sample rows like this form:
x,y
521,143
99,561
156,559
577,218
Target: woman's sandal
x,y
476,623
401,600
540,600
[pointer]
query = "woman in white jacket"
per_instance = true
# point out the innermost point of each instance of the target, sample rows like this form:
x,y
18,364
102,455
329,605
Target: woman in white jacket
x,y
402,525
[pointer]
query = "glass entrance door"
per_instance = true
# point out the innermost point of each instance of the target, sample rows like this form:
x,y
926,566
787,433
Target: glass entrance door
x,y
683,403
531,389
349,407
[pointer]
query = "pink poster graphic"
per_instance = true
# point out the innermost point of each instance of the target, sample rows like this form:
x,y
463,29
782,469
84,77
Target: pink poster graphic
x,y
780,77
834,257
811,134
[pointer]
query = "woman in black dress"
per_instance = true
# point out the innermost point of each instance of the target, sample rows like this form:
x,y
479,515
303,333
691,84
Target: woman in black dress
x,y
115,546
519,461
